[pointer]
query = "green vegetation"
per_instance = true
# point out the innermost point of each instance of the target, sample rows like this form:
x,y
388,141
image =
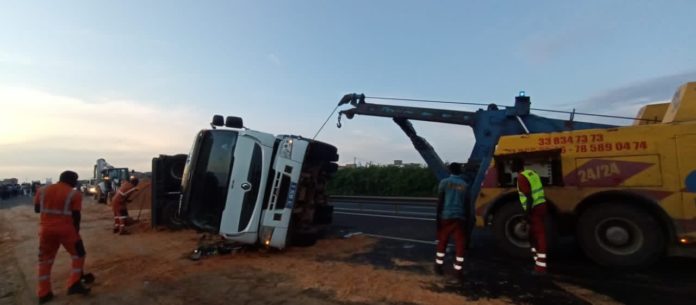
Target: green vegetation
x,y
381,180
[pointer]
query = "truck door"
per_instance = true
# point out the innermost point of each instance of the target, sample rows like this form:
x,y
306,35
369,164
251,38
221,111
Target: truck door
x,y
686,146
240,218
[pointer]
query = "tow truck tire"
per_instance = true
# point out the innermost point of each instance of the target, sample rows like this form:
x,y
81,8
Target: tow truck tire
x,y
508,232
620,235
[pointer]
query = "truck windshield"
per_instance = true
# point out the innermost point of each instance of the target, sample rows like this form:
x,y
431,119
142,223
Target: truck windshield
x,y
206,176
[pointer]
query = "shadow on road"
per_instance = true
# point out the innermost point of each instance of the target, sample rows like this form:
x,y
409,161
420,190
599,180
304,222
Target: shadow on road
x,y
491,274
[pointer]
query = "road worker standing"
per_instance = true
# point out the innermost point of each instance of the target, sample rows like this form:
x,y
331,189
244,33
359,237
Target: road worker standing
x,y
451,205
531,192
119,204
59,205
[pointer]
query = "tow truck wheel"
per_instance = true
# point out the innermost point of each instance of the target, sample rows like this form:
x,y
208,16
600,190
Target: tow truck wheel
x,y
620,235
510,233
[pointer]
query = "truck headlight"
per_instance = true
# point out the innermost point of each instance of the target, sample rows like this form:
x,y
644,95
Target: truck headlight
x,y
286,150
266,235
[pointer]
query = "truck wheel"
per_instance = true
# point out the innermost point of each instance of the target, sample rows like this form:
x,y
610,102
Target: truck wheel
x,y
510,234
320,151
620,235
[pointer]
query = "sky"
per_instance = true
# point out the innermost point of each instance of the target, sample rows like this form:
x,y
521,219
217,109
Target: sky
x,y
129,80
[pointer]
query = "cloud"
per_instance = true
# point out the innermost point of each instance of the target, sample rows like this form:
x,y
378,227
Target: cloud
x,y
628,99
550,45
641,92
44,133
274,59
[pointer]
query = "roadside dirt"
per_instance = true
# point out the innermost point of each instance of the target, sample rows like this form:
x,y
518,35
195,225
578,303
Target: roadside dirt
x,y
151,267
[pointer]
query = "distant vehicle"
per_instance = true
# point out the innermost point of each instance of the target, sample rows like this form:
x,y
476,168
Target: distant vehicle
x,y
108,179
89,187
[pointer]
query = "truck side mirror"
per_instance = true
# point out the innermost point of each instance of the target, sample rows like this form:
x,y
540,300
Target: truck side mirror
x,y
217,120
234,122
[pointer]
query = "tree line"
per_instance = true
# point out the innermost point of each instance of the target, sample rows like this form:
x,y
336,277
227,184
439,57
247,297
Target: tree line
x,y
384,180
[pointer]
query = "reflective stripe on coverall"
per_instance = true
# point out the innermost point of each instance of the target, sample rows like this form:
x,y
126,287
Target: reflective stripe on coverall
x,y
118,205
57,202
529,182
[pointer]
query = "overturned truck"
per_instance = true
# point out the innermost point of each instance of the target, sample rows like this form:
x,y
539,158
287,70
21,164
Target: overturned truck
x,y
248,186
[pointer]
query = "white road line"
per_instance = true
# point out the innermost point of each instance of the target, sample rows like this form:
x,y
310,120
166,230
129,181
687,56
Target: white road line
x,y
384,211
386,216
427,242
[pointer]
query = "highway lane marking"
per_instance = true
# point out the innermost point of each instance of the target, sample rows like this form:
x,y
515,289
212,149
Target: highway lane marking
x,y
401,239
384,211
386,216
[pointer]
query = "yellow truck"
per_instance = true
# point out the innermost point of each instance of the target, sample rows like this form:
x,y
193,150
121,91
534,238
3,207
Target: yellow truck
x,y
627,193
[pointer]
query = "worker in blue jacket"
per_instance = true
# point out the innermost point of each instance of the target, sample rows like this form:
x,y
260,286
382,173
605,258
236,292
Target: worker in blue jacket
x,y
451,205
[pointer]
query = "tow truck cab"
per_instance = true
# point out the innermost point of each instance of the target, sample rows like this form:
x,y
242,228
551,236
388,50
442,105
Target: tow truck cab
x,y
252,187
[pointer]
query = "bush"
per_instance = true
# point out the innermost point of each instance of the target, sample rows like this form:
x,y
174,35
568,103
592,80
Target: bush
x,y
410,181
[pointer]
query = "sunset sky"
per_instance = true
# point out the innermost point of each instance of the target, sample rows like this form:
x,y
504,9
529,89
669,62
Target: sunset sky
x,y
129,80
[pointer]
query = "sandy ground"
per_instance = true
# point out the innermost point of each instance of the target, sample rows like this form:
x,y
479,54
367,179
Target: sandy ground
x,y
150,267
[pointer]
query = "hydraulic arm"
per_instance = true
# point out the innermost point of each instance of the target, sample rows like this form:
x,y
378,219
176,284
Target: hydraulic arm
x,y
488,126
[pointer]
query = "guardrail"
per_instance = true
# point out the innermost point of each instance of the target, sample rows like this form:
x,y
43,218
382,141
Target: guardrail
x,y
427,201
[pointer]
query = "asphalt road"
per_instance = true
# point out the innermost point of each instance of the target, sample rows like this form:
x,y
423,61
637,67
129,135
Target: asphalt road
x,y
408,233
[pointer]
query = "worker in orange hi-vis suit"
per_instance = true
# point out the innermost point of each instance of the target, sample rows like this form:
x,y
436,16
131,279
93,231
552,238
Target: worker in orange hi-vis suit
x,y
59,205
118,204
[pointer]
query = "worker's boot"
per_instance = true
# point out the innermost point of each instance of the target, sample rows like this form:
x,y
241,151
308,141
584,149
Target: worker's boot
x,y
45,299
437,268
122,231
87,278
78,287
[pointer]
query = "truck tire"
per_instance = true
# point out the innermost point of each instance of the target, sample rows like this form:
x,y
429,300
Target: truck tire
x,y
320,151
620,235
510,236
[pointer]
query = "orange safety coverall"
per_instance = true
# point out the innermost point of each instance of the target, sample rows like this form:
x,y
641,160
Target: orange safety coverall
x,y
118,205
56,203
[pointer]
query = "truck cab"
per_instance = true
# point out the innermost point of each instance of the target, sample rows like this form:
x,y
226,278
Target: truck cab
x,y
253,187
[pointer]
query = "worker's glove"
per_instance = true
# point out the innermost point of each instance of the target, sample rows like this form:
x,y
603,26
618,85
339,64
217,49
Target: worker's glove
x,y
37,209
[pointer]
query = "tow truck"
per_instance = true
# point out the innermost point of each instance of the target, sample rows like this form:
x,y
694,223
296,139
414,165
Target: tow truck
x,y
252,187
626,192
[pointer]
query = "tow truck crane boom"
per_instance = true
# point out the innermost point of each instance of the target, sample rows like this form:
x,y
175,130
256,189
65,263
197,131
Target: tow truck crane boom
x,y
488,126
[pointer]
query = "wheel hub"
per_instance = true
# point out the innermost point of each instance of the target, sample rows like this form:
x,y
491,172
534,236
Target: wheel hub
x,y
617,236
517,232
521,230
